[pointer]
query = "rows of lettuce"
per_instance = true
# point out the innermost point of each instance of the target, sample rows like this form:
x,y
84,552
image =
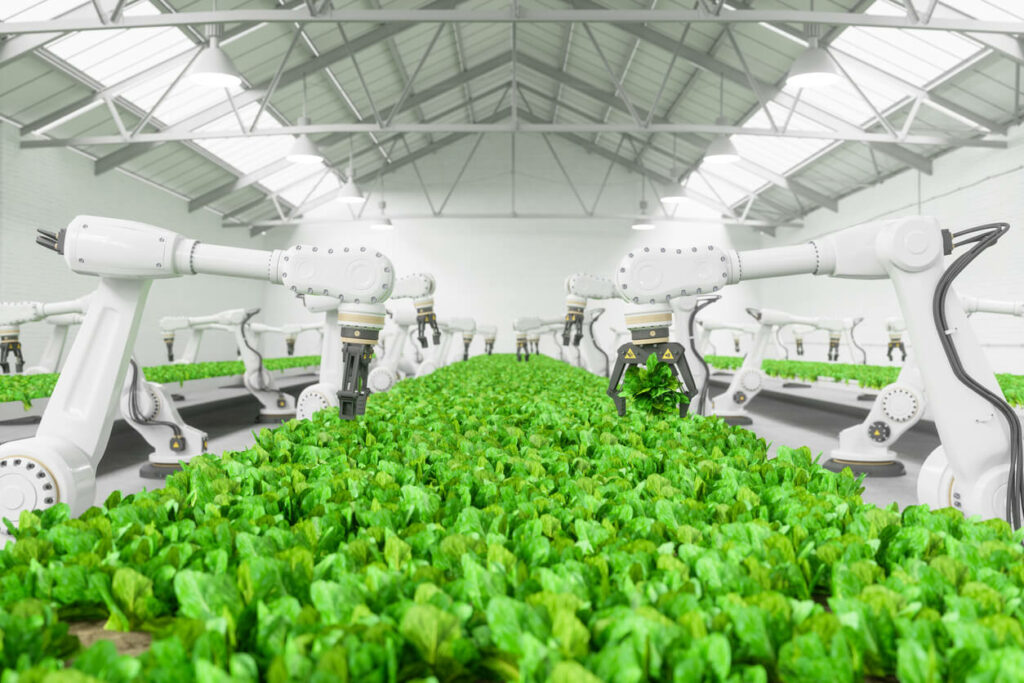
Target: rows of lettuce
x,y
24,388
867,376
497,521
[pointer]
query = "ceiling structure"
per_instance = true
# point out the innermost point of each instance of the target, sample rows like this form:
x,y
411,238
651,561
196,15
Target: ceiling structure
x,y
645,84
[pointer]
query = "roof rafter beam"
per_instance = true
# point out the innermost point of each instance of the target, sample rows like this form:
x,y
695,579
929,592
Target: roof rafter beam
x,y
86,103
254,94
771,91
329,141
146,139
416,155
518,16
359,152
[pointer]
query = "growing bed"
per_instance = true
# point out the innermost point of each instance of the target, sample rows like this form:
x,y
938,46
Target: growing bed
x,y
496,521
865,376
25,389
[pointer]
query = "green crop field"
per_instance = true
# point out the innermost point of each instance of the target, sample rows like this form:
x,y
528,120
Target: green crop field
x,y
496,521
24,388
867,376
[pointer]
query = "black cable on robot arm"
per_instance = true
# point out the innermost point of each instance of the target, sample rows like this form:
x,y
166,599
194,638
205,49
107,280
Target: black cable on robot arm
x,y
1015,483
607,360
698,307
133,405
245,340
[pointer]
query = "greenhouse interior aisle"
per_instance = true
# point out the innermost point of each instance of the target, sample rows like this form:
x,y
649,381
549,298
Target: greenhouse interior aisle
x,y
511,341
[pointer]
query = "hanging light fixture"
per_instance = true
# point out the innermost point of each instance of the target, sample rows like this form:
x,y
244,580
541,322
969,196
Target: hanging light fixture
x,y
814,67
212,68
643,222
721,151
382,223
304,150
349,192
673,198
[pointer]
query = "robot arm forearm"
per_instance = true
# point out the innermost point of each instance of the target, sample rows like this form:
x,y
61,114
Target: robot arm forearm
x,y
974,304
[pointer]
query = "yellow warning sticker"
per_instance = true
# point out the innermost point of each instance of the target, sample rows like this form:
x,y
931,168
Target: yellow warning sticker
x,y
629,354
667,355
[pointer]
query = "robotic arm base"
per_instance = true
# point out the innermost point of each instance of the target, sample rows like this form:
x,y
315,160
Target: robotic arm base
x,y
314,398
39,472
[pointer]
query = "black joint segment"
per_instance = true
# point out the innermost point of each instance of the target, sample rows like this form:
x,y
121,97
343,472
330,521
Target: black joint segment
x,y
650,333
361,333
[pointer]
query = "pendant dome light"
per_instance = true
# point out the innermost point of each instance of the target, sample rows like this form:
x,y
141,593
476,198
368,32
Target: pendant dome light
x,y
349,192
382,223
721,151
814,67
304,150
212,68
643,222
673,198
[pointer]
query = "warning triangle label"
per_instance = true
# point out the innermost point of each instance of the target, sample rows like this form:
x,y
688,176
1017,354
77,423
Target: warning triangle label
x,y
667,355
629,354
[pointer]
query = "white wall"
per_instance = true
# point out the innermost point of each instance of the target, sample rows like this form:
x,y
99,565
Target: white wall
x,y
498,269
968,187
46,188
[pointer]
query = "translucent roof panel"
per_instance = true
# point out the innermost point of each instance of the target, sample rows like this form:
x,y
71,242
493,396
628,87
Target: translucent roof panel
x,y
885,65
246,153
992,10
111,56
35,10
917,57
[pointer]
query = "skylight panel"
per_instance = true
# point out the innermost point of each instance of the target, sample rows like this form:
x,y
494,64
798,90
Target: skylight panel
x,y
723,192
992,10
185,100
111,56
35,10
915,56
310,187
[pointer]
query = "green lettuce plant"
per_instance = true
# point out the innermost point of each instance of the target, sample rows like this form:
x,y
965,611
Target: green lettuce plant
x,y
652,388
496,521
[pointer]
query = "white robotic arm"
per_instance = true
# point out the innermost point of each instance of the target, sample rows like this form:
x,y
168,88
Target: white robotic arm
x,y
490,333
980,434
799,332
290,331
61,314
866,447
710,326
61,325
749,379
466,327
58,464
419,287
